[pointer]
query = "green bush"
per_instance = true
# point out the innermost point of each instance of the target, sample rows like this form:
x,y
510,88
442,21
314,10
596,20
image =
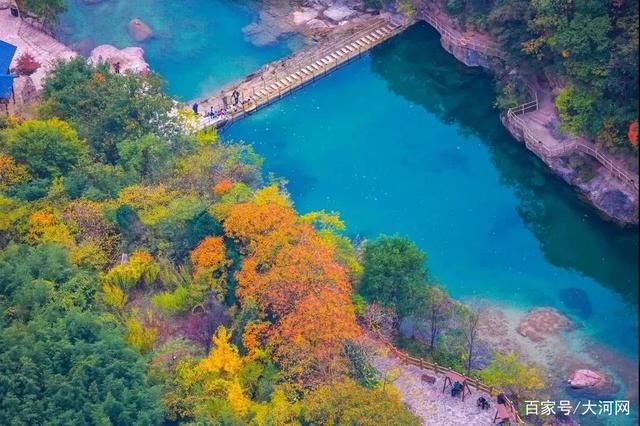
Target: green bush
x,y
172,302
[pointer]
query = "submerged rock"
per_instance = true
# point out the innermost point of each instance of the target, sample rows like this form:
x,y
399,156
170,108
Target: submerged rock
x,y
577,301
131,58
617,204
139,31
542,322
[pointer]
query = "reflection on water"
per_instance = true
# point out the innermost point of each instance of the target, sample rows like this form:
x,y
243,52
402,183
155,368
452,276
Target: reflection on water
x,y
570,233
406,141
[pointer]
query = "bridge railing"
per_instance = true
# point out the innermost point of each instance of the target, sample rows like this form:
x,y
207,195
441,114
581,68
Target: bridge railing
x,y
537,146
250,95
489,49
438,369
300,59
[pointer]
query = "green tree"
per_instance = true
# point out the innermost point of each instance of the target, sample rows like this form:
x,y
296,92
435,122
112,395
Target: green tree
x,y
47,148
506,372
72,370
106,108
148,157
576,110
394,273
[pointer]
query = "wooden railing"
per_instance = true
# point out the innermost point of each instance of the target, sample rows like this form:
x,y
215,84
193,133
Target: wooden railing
x,y
438,369
540,149
458,38
303,68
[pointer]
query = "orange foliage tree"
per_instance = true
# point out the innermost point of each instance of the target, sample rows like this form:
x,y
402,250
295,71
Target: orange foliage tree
x,y
209,254
294,277
252,224
222,187
633,133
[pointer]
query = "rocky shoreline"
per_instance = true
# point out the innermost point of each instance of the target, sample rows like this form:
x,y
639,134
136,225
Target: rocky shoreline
x,y
541,337
612,199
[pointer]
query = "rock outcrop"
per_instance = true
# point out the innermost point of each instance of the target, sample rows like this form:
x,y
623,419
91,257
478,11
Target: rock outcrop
x,y
131,59
304,15
139,31
605,192
339,13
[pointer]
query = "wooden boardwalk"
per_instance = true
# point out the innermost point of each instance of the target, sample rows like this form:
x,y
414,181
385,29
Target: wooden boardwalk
x,y
467,41
282,77
536,138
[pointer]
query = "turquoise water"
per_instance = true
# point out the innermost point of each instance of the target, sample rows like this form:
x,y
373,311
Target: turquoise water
x,y
198,46
405,140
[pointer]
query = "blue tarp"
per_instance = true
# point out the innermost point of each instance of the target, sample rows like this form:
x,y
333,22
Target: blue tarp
x,y
6,86
6,55
6,80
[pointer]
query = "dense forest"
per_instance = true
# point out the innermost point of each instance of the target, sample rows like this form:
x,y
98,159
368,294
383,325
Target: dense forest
x,y
149,273
586,49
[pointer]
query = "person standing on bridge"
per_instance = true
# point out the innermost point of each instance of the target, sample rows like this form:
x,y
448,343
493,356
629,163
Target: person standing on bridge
x,y
195,107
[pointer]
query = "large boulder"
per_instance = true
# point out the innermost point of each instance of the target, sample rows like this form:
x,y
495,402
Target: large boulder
x,y
583,378
339,13
304,15
577,300
131,58
139,31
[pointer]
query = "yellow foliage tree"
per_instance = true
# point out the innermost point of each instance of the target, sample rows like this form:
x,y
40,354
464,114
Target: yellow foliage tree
x,y
507,373
224,356
113,296
11,173
136,270
271,195
44,226
140,337
238,401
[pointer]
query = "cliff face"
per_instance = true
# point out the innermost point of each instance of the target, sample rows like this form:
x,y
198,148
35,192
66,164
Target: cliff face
x,y
613,199
466,55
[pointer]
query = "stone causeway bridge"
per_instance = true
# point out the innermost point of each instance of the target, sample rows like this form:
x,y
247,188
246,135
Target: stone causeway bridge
x,y
282,77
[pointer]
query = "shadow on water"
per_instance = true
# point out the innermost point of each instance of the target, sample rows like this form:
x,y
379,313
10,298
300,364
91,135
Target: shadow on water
x,y
570,233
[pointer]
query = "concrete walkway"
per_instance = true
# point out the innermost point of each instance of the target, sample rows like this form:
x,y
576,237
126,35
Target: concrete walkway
x,y
428,401
45,49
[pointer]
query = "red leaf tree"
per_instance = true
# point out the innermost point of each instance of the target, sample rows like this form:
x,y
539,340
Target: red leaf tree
x,y
26,64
